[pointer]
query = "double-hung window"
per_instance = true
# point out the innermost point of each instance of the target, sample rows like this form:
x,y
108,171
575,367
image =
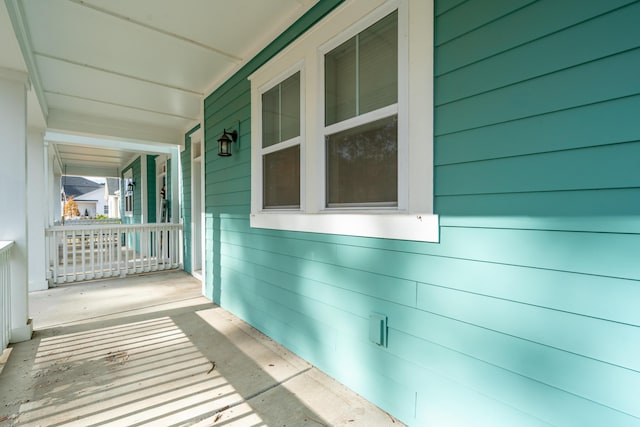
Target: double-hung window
x,y
342,126
280,149
361,118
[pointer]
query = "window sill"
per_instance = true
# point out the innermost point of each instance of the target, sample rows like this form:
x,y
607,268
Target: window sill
x,y
415,227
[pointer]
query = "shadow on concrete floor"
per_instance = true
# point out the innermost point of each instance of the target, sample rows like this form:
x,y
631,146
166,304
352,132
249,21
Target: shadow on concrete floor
x,y
151,351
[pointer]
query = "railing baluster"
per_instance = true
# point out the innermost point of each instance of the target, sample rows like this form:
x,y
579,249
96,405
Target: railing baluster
x,y
136,245
64,255
119,237
92,253
176,247
156,248
147,247
73,254
126,252
99,254
54,255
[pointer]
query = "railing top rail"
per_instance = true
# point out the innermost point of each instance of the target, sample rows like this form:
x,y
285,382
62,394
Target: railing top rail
x,y
87,227
5,245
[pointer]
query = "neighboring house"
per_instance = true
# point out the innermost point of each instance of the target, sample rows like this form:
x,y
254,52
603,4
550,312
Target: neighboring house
x,y
92,203
92,198
85,192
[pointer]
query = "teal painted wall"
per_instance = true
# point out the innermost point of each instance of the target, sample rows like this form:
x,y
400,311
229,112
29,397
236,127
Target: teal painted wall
x,y
136,169
526,312
185,163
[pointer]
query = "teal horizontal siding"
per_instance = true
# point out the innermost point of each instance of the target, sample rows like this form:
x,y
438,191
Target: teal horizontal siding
x,y
569,203
609,122
577,169
602,254
525,312
324,303
573,46
470,15
513,30
532,398
443,6
598,81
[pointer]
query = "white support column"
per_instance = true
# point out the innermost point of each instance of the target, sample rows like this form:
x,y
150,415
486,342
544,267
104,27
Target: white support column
x,y
53,176
175,190
37,210
13,193
144,193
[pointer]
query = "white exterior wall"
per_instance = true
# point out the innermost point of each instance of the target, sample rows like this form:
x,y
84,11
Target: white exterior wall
x,y
114,206
94,202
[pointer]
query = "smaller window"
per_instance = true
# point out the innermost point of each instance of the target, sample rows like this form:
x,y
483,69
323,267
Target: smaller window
x,y
281,145
106,210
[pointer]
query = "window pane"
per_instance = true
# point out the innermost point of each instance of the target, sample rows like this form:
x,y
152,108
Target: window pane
x,y
290,107
281,178
340,83
271,117
281,112
361,75
362,165
378,64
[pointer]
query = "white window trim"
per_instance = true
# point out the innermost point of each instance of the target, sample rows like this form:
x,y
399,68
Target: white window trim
x,y
414,218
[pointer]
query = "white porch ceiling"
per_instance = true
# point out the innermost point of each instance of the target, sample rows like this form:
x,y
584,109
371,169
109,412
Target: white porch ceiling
x,y
135,69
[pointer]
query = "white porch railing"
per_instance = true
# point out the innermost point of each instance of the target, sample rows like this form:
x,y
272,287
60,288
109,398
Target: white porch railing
x,y
5,293
93,252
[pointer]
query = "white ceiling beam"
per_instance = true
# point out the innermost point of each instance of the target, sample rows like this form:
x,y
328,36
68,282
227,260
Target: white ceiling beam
x,y
117,73
81,170
84,124
21,30
115,104
77,157
228,55
61,137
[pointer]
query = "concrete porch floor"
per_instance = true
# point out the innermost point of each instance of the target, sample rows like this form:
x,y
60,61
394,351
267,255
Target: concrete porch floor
x,y
149,350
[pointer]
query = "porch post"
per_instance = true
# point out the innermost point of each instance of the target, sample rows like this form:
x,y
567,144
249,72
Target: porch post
x,y
175,188
37,208
13,193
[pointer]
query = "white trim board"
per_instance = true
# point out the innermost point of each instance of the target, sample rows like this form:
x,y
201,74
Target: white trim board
x,y
414,218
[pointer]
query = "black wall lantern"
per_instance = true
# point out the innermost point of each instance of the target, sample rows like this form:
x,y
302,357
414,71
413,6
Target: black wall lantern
x,y
130,186
224,142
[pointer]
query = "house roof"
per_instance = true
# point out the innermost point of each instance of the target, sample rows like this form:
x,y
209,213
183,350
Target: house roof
x,y
74,186
113,185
